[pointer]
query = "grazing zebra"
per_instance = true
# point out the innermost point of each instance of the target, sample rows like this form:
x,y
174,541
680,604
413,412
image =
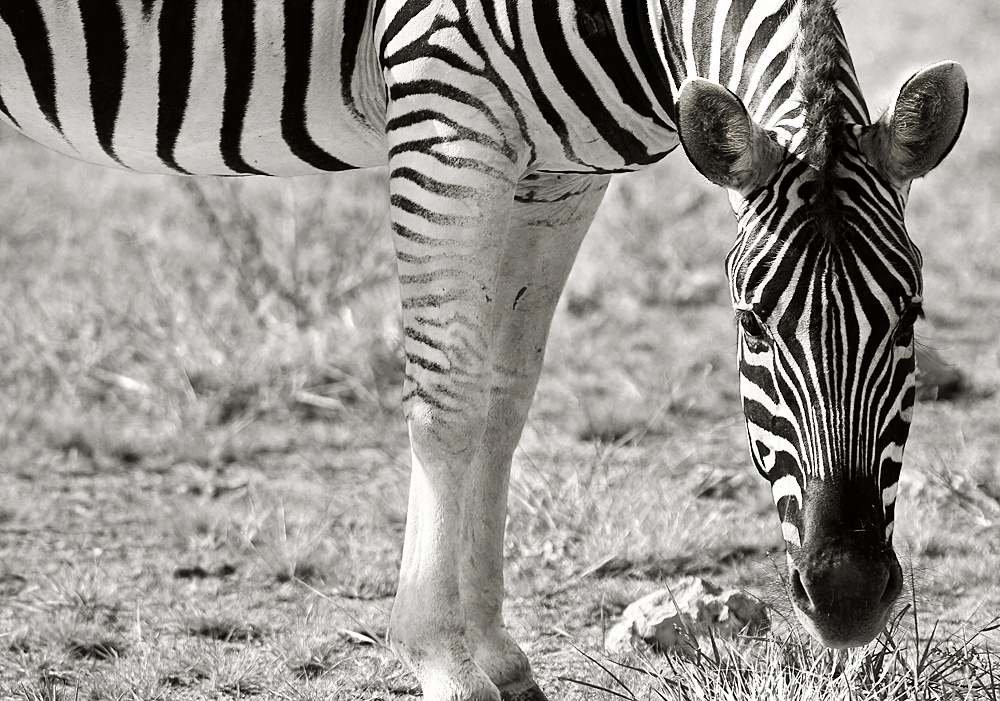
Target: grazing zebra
x,y
501,122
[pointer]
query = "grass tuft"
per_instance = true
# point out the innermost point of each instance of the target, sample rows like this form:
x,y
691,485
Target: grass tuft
x,y
224,629
313,661
102,649
898,665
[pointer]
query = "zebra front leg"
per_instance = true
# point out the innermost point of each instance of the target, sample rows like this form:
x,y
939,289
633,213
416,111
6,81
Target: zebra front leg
x,y
451,198
551,215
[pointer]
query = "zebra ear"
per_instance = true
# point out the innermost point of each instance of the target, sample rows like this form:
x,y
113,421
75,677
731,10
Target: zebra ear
x,y
722,140
920,128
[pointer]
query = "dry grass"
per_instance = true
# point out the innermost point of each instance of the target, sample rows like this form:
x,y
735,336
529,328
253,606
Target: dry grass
x,y
205,468
932,668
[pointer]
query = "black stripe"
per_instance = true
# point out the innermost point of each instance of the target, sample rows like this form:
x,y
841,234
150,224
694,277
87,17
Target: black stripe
x,y
579,89
377,9
416,237
104,34
426,147
757,448
760,377
450,92
860,263
762,37
437,187
772,209
767,80
432,300
585,169
461,133
501,85
795,403
850,80
405,204
355,16
424,363
147,8
419,393
803,249
593,21
735,21
397,23
640,37
786,464
770,115
7,114
825,328
704,21
872,189
757,414
516,56
176,30
887,423
24,18
422,338
672,49
788,509
240,53
551,115
298,54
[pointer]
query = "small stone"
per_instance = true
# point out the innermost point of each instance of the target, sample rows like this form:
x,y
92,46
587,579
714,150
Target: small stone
x,y
680,618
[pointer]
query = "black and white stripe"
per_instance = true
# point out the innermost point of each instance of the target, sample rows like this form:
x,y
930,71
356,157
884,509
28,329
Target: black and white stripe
x,y
235,87
829,392
228,87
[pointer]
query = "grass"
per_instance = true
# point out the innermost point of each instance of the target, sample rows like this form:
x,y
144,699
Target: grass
x,y
785,668
205,466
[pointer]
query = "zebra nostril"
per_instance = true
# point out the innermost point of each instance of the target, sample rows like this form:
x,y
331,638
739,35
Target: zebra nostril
x,y
894,583
799,592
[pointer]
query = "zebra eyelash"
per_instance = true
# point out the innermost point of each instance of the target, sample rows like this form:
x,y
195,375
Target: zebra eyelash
x,y
907,320
912,313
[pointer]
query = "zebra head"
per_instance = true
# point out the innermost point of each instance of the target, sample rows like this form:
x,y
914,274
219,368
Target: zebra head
x,y
826,286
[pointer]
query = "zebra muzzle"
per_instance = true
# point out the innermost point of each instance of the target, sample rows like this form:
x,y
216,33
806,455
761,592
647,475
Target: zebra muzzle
x,y
843,595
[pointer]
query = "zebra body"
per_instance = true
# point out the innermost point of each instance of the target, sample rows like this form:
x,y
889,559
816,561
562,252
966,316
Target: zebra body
x,y
236,88
501,122
204,88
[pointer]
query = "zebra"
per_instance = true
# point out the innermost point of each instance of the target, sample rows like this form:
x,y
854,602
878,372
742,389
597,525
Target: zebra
x,y
501,123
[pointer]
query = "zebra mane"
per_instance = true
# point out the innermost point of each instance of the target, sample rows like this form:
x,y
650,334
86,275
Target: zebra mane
x,y
819,76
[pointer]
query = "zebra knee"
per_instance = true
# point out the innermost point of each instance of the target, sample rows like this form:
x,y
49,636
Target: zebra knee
x,y
447,420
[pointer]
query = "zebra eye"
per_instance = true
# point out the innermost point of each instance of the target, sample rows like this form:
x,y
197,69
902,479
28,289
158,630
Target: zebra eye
x,y
751,326
904,330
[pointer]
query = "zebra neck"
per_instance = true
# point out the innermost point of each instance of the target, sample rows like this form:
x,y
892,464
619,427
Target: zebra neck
x,y
779,56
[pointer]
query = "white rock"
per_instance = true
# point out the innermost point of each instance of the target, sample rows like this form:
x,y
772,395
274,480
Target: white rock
x,y
680,617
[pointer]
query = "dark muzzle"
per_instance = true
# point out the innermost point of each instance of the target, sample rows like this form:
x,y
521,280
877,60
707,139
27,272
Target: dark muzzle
x,y
844,576
843,596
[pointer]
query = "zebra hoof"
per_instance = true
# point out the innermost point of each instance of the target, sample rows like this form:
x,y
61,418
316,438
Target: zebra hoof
x,y
526,690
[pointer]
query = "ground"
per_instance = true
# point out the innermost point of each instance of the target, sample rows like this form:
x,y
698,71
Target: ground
x,y
204,466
